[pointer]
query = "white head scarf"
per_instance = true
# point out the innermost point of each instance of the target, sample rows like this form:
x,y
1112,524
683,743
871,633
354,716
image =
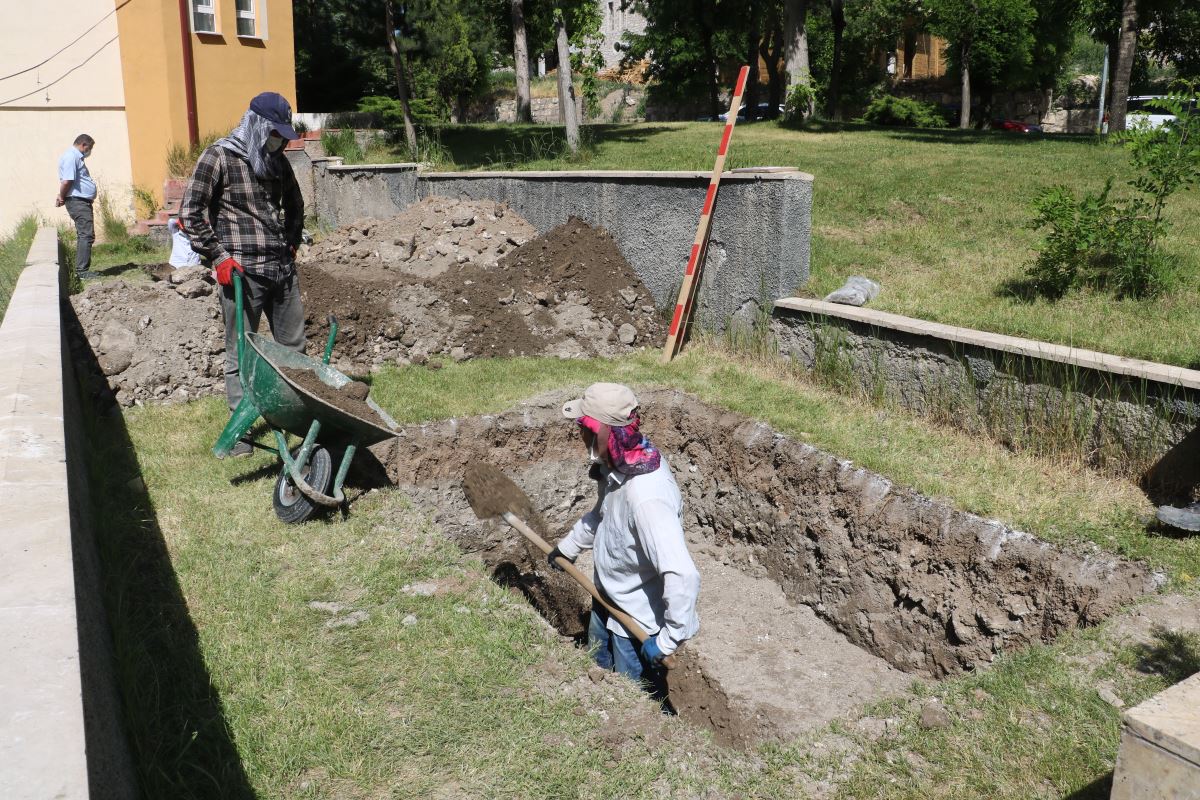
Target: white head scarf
x,y
249,140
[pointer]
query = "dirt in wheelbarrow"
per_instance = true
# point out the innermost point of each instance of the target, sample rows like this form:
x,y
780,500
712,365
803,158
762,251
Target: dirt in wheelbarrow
x,y
351,398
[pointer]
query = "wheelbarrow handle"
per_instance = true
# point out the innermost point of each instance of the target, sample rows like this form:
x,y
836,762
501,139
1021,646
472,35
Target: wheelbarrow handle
x,y
333,328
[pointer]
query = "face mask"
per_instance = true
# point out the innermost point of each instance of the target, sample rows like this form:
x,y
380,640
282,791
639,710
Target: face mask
x,y
274,143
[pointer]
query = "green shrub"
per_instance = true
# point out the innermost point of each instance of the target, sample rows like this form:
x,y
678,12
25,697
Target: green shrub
x,y
904,112
342,143
112,226
145,201
390,113
181,159
1114,244
799,103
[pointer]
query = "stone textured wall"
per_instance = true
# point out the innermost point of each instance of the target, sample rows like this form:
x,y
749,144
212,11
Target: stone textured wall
x,y
1128,425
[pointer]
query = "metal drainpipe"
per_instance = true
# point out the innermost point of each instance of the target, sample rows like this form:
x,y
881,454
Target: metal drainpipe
x,y
189,72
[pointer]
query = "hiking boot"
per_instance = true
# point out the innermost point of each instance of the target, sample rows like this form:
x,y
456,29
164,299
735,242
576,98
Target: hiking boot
x,y
242,448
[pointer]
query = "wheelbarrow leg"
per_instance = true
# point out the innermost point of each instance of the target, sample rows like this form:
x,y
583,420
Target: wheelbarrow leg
x,y
344,468
239,424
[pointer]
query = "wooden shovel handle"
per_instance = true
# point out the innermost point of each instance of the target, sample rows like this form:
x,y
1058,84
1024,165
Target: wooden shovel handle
x,y
626,620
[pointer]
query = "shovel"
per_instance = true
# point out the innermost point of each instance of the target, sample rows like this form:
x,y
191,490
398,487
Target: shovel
x,y
491,493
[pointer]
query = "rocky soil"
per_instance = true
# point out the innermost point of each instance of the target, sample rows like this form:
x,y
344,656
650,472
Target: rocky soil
x,y
445,279
156,342
468,279
824,585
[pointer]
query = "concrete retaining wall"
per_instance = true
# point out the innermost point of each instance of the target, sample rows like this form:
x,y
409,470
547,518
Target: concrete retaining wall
x,y
60,730
1125,414
1159,757
759,247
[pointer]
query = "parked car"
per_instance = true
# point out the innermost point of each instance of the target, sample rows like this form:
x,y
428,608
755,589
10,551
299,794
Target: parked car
x,y
1015,126
1141,113
763,111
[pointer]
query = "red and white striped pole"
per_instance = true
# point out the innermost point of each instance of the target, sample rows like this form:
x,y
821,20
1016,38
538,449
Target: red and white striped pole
x,y
687,291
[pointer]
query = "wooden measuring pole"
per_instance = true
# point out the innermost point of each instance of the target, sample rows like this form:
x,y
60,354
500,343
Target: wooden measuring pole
x,y
687,291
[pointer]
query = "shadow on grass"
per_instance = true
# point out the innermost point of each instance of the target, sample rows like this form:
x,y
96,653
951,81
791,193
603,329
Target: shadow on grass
x,y
179,740
1098,789
1174,655
942,135
1023,290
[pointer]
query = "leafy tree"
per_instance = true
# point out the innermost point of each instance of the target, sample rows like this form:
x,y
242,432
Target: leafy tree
x,y
339,54
686,47
990,43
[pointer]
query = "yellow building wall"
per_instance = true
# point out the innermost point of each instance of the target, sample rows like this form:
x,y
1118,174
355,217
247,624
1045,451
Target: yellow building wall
x,y
229,70
42,110
929,62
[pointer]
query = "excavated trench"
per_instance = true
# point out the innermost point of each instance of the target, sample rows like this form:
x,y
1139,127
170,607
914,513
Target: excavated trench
x,y
824,586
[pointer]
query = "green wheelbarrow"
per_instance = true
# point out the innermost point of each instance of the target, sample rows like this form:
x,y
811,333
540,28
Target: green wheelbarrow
x,y
307,481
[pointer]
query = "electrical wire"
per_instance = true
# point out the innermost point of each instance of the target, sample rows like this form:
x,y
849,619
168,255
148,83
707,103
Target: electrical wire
x,y
64,47
46,86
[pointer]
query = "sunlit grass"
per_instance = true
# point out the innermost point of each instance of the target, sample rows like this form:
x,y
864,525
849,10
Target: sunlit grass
x,y
939,218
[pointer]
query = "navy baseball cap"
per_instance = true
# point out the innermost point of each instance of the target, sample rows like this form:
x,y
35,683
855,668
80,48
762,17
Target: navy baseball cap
x,y
274,107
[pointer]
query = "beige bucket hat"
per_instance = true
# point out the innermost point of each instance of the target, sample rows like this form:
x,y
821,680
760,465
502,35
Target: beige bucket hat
x,y
610,403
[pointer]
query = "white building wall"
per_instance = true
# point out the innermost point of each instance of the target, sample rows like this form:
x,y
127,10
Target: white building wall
x,y
44,106
613,24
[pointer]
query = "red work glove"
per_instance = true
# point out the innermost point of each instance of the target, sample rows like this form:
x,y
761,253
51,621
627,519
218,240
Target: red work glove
x,y
225,271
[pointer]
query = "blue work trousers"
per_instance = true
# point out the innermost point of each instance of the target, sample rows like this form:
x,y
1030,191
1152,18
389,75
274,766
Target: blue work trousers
x,y
612,651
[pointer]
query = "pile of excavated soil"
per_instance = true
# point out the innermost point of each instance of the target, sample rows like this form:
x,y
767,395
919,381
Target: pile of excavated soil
x,y
462,279
162,341
469,280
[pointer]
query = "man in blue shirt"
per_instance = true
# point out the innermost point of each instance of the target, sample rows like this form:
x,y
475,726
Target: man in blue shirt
x,y
77,191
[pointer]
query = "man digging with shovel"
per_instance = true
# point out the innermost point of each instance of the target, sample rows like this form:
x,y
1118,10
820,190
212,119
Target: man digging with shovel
x,y
636,534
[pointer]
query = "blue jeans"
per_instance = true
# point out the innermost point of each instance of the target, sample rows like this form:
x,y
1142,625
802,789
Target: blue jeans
x,y
612,651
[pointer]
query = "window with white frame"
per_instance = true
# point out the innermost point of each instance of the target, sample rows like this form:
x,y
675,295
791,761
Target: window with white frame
x,y
251,18
204,16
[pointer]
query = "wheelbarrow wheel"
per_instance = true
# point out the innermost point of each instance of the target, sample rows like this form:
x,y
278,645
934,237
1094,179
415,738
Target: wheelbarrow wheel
x,y
291,505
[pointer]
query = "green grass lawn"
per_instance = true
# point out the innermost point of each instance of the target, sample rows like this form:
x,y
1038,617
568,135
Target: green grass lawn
x,y
235,684
937,217
14,250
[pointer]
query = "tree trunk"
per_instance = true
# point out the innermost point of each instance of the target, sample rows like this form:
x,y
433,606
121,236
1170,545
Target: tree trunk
x,y
1126,47
521,62
795,38
566,89
410,131
710,59
771,49
838,12
750,98
964,114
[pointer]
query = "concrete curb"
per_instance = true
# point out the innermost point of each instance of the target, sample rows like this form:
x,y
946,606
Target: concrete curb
x,y
1075,356
42,731
60,711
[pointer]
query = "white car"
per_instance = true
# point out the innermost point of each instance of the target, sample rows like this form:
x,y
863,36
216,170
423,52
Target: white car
x,y
1141,114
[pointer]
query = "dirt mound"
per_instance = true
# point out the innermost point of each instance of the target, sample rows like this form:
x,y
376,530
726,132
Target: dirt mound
x,y
465,279
162,341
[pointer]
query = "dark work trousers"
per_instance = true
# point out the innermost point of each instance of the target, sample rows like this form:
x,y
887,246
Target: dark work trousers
x,y
285,314
85,231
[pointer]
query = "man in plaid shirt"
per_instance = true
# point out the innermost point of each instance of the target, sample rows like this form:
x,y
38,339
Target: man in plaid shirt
x,y
243,211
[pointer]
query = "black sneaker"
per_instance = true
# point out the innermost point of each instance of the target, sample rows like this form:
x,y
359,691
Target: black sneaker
x,y
87,274
242,448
